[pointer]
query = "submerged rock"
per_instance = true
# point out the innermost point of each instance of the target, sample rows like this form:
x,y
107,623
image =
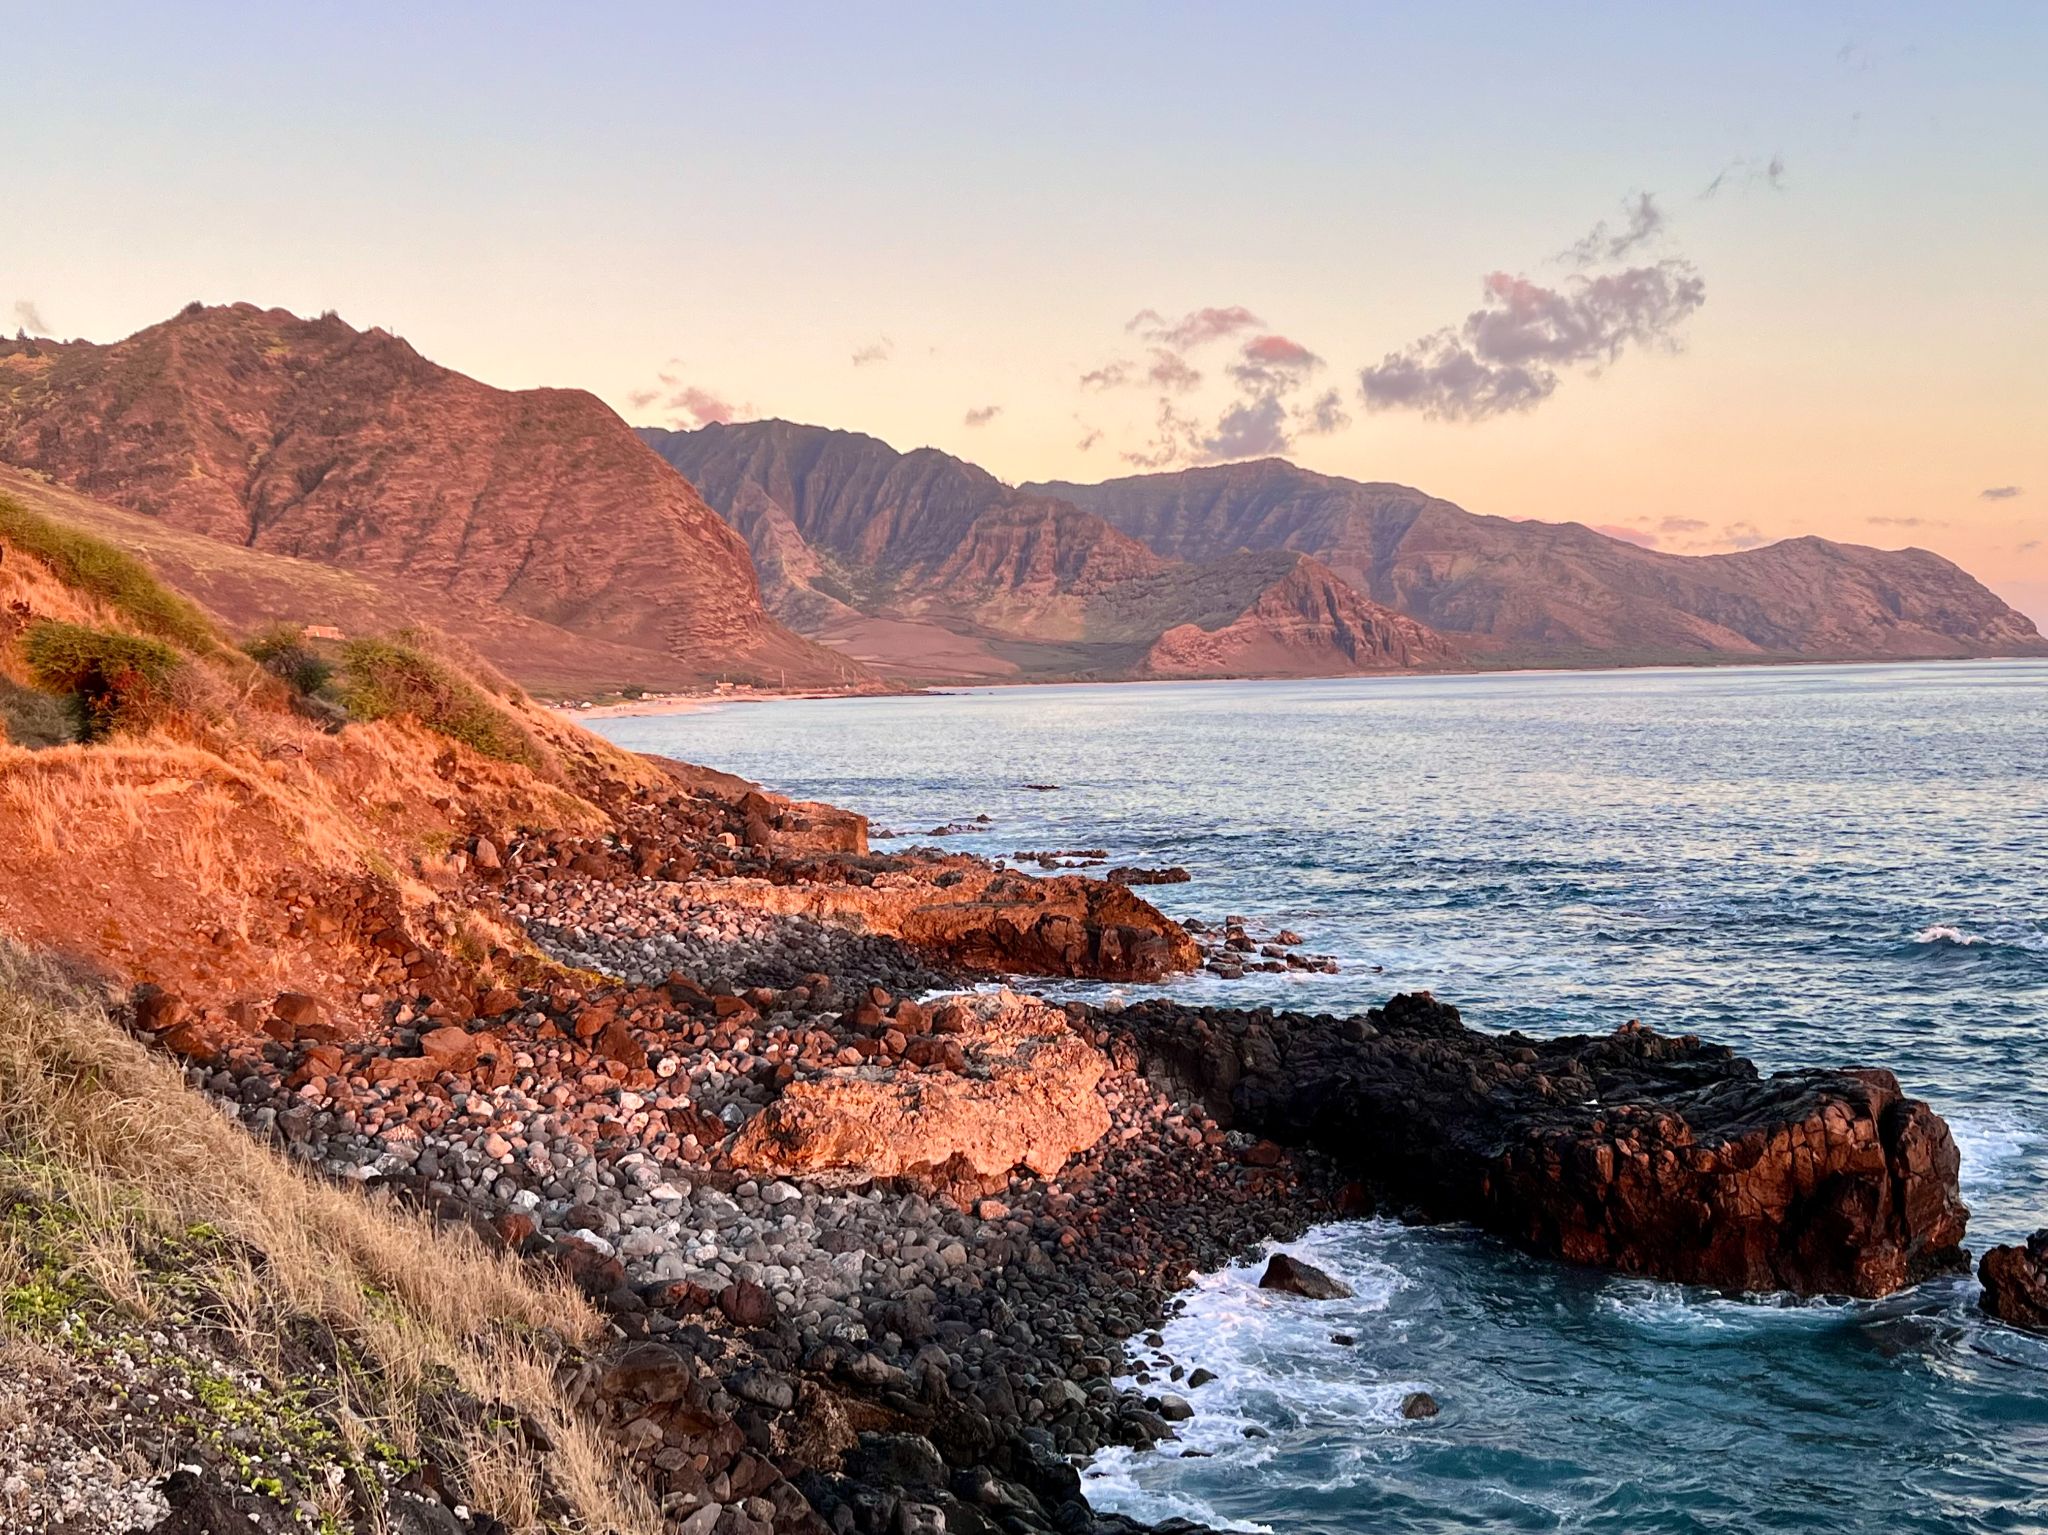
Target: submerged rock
x,y
1294,1277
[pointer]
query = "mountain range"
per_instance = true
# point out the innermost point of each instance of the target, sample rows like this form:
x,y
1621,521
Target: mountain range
x,y
306,471
1539,593
913,562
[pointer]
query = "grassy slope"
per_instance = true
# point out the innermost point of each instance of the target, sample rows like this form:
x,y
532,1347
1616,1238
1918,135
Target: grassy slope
x,y
318,1345
250,590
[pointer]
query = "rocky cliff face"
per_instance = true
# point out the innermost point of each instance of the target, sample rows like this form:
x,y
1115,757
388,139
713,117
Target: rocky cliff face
x,y
311,439
932,566
1538,592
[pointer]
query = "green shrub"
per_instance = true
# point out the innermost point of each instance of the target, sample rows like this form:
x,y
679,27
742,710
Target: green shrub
x,y
95,567
284,652
385,678
115,681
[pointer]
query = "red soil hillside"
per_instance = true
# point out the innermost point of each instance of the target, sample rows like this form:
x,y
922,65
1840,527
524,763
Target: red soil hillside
x,y
312,439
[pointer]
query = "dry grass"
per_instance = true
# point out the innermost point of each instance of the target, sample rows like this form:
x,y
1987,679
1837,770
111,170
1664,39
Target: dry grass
x,y
91,1120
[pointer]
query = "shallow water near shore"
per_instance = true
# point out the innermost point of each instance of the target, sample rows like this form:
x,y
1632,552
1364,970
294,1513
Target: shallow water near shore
x,y
1815,865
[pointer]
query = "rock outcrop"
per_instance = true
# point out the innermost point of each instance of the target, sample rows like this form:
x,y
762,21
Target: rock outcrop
x,y
2015,1281
1635,1152
1010,1086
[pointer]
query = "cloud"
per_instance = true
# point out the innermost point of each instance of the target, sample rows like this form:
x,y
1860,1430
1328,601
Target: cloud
x,y
1273,363
1682,525
1325,416
982,415
700,407
1175,440
1170,370
28,317
1111,375
1506,355
1627,534
1904,522
640,399
1254,428
1600,244
1746,175
1090,436
874,352
1193,329
1742,535
2030,546
2000,492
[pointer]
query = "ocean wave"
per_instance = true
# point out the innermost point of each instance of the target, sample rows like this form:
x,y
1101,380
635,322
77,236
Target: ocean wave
x,y
1278,1374
1992,1145
1949,935
1681,1312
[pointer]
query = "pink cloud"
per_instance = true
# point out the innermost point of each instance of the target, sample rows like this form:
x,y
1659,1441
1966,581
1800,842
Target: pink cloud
x,y
702,407
1626,534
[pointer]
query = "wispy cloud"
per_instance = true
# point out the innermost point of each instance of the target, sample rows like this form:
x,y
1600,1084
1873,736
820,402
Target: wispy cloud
x,y
700,407
1905,522
1508,354
1111,375
1643,221
1195,328
1746,175
1743,535
1326,415
28,317
2000,492
874,352
1621,530
640,399
1682,525
1090,436
981,415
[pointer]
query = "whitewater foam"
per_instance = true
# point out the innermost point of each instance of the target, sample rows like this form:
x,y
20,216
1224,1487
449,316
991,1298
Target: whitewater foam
x,y
1279,1376
1947,933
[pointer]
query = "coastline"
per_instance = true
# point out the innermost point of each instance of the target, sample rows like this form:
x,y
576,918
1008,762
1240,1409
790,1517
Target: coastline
x,y
697,703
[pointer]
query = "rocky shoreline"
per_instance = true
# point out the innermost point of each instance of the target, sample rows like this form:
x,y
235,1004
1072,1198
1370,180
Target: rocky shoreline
x,y
876,1236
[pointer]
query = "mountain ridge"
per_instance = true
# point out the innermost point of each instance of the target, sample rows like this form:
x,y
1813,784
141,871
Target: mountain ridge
x,y
311,439
1541,593
886,553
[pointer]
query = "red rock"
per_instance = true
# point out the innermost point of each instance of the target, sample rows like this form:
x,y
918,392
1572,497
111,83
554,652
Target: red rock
x,y
1032,1103
157,1010
746,1304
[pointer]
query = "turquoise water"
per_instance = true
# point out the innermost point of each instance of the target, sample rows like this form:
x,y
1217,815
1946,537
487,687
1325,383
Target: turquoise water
x,y
1815,865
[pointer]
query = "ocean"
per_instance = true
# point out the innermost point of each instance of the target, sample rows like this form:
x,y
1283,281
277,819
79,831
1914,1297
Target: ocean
x,y
1816,865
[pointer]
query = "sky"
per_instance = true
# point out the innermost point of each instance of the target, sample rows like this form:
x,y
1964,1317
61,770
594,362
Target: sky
x,y
1704,276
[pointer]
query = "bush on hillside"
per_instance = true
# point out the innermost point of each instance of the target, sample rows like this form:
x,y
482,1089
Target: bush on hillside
x,y
115,681
98,569
285,653
31,719
387,678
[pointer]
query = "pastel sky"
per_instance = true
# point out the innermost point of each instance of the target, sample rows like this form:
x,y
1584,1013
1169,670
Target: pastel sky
x,y
1703,275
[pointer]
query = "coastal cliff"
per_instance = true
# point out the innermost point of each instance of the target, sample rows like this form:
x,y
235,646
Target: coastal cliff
x,y
648,1059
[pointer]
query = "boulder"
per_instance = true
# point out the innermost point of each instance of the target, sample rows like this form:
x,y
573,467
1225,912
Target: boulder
x,y
1028,1098
1294,1277
2015,1281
